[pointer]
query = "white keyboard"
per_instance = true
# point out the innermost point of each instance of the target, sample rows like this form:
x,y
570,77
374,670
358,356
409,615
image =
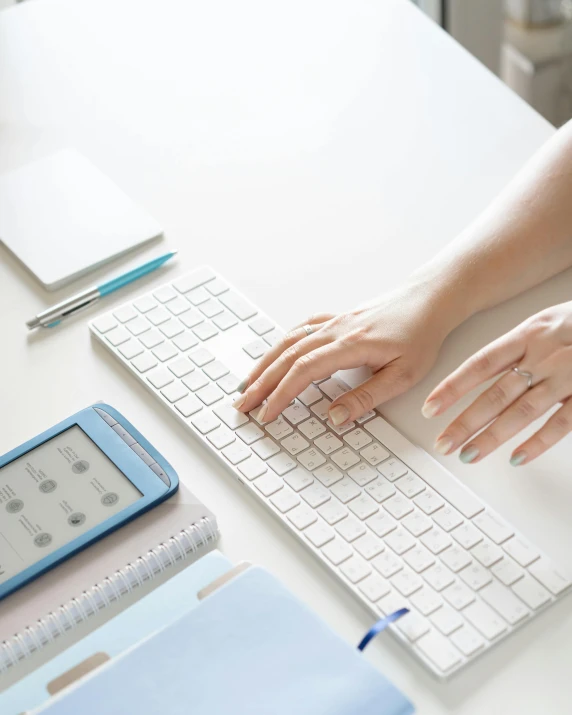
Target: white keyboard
x,y
394,526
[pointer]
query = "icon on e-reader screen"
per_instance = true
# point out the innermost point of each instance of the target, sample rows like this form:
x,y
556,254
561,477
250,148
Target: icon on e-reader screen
x,y
80,466
43,539
14,506
48,485
109,499
76,519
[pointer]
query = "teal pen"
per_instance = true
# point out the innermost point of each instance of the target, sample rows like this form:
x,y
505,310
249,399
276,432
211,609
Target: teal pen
x,y
53,316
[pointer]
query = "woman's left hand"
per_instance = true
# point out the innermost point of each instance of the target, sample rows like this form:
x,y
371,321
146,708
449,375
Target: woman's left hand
x,y
540,346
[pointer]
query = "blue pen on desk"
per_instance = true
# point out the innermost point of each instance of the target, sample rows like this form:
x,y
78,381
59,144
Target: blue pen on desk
x,y
53,316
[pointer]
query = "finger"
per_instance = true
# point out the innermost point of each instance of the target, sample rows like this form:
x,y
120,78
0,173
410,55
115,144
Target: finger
x,y
293,336
482,366
485,408
555,428
263,385
384,385
316,319
532,405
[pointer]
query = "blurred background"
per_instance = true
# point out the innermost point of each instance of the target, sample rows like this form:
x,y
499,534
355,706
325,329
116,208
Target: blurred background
x,y
527,43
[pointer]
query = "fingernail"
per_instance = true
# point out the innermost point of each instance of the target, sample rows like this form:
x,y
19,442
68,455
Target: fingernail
x,y
242,385
469,454
444,445
430,408
339,414
262,413
517,458
239,402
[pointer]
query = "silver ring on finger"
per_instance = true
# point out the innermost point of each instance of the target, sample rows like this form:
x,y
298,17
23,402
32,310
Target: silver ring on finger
x,y
525,374
308,329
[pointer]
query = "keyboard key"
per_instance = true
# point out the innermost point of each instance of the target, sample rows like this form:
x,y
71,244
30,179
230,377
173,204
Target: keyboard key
x,y
130,349
193,280
144,362
485,620
178,305
310,395
249,433
521,551
455,558
319,534
195,380
221,437
171,328
180,367
549,577
273,337
369,545
425,600
350,528
229,383
152,338
476,576
237,305
158,315
413,626
205,421
116,336
296,413
531,592
332,511
428,501
315,495
236,452
265,448
198,296
311,458
365,417
363,506
439,577
328,443
160,377
345,458
165,294
467,640
417,523
210,394
210,308
419,558
392,469
381,523
320,409
302,517
355,569
380,490
215,370
387,564
204,331
436,540
392,602
467,536
333,388
174,391
406,582
279,428
458,595
337,551
188,405
328,474
201,357
145,304
298,479
231,417
374,454
493,526
164,352
487,553
362,474
255,349
216,287
507,571
312,428
105,323
340,429
282,463
261,325
191,318
400,540
268,484
410,485
374,587
357,438
447,620
295,444
125,313
448,518
345,490
285,499
439,650
504,602
225,320
398,506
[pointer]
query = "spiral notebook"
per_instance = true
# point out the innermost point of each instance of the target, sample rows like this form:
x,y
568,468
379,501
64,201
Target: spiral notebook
x,y
68,602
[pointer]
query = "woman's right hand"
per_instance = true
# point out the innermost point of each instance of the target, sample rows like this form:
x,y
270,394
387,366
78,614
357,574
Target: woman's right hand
x,y
397,335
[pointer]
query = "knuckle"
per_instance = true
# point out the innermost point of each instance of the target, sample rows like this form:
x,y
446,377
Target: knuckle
x,y
482,361
303,364
290,355
497,395
524,408
461,430
562,422
362,399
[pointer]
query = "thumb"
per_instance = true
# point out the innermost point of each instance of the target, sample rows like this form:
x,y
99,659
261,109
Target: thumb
x,y
385,384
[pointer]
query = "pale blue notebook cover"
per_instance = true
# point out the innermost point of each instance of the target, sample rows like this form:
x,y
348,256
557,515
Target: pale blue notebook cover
x,y
250,648
162,606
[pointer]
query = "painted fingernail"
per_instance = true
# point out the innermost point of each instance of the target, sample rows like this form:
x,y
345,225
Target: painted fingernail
x,y
339,414
242,385
517,458
469,454
239,402
430,408
444,445
262,414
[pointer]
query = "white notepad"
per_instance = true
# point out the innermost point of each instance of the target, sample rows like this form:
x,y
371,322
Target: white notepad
x,y
62,217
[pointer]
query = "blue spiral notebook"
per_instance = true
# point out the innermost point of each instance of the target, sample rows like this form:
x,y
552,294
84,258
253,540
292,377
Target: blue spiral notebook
x,y
249,648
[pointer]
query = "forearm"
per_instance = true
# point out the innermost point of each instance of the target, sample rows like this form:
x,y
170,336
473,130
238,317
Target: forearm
x,y
521,239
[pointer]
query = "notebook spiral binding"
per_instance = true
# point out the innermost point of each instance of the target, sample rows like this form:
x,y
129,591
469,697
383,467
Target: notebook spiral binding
x,y
101,595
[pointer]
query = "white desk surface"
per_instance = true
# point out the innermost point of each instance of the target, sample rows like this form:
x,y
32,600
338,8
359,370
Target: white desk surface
x,y
339,143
